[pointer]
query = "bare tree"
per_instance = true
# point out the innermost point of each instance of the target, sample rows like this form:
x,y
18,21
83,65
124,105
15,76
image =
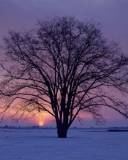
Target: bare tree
x,y
64,67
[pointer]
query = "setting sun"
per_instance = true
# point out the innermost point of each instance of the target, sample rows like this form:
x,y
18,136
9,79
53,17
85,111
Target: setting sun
x,y
40,120
41,123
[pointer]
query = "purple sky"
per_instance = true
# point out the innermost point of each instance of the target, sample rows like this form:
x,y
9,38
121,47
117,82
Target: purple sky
x,y
111,14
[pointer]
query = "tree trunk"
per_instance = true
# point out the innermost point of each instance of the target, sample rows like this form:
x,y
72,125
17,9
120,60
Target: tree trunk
x,y
62,131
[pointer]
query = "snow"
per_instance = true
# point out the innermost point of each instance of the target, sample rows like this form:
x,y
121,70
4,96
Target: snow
x,y
42,144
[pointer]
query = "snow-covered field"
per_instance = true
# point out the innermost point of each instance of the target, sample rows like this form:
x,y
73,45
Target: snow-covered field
x,y
42,144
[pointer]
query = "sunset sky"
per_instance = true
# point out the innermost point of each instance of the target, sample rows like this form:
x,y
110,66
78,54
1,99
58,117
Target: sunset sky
x,y
111,14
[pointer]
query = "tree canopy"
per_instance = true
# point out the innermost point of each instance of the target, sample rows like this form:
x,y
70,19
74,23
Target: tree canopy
x,y
64,67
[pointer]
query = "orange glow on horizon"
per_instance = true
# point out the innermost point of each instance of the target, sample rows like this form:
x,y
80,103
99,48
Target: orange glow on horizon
x,y
43,118
40,120
34,118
